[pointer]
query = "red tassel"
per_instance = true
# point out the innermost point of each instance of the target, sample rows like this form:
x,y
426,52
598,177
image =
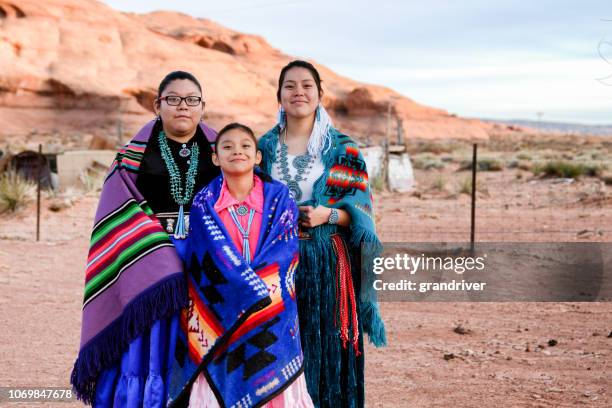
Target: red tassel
x,y
346,305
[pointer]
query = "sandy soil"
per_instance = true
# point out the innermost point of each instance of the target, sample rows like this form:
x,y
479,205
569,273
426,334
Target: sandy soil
x,y
503,360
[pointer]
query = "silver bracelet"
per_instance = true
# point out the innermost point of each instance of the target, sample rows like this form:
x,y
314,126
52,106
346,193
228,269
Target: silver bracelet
x,y
333,217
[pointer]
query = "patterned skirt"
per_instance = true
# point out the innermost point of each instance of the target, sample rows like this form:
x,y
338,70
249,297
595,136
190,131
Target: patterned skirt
x,y
334,373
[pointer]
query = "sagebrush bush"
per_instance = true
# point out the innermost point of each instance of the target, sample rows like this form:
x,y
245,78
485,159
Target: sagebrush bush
x,y
91,180
523,156
484,164
564,169
427,161
465,186
15,191
435,147
439,183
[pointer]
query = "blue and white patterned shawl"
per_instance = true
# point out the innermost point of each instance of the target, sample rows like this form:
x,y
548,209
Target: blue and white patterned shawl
x,y
241,328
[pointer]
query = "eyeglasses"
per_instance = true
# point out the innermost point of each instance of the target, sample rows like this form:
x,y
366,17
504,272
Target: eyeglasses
x,y
176,100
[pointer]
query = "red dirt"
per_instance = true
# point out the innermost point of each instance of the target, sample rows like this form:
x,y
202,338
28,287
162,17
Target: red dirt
x,y
41,286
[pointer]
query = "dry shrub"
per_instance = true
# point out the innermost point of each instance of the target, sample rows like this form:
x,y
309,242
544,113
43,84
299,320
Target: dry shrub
x,y
15,191
465,186
91,180
607,179
564,169
437,147
484,164
439,183
523,156
427,161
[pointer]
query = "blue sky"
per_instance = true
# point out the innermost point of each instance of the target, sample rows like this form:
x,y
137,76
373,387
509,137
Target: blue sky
x,y
504,59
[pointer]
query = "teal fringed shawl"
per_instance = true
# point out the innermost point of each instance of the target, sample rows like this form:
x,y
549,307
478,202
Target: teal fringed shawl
x,y
344,184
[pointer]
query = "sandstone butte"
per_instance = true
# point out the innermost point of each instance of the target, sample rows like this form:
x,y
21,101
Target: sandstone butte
x,y
81,66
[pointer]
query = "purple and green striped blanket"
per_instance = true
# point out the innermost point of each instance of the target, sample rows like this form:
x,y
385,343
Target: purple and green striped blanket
x,y
134,275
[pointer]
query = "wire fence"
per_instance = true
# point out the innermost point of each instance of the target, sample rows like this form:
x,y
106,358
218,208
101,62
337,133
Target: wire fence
x,y
517,202
540,199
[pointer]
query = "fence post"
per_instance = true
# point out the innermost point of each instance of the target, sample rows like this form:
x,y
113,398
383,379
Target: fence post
x,y
473,218
385,166
39,171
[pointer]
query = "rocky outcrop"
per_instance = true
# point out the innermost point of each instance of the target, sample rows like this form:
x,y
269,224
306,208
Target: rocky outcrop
x,y
204,33
73,66
10,10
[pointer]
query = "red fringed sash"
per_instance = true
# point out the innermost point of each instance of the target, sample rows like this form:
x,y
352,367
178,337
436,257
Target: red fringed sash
x,y
346,305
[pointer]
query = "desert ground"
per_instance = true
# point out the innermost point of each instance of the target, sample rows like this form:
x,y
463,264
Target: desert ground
x,y
439,354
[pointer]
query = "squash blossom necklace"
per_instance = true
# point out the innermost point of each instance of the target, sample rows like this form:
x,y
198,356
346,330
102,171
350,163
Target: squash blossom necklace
x,y
180,195
302,163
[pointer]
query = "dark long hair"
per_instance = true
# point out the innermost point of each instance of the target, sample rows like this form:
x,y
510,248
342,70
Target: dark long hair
x,y
232,126
235,125
300,64
175,75
168,79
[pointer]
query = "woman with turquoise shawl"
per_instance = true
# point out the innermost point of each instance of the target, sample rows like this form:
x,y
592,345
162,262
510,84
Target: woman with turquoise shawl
x,y
327,176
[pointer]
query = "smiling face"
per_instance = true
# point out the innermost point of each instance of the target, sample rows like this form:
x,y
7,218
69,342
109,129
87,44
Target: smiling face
x,y
299,94
180,120
236,152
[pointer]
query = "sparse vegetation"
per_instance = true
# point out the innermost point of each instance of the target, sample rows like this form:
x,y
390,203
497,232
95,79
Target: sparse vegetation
x,y
465,186
378,183
565,169
427,161
435,147
607,179
439,182
590,155
15,191
523,156
484,164
519,164
91,180
594,169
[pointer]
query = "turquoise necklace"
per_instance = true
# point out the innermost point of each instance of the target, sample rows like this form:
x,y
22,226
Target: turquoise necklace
x,y
242,210
181,196
302,164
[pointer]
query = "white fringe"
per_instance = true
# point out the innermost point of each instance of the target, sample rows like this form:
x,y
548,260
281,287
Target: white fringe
x,y
320,140
281,118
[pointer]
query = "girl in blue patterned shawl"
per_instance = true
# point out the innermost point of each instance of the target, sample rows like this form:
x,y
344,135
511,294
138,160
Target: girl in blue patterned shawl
x,y
327,175
239,343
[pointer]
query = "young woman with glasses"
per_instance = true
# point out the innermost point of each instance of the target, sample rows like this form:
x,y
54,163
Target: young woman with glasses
x,y
134,285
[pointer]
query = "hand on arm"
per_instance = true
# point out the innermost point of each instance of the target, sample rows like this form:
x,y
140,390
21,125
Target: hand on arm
x,y
314,216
